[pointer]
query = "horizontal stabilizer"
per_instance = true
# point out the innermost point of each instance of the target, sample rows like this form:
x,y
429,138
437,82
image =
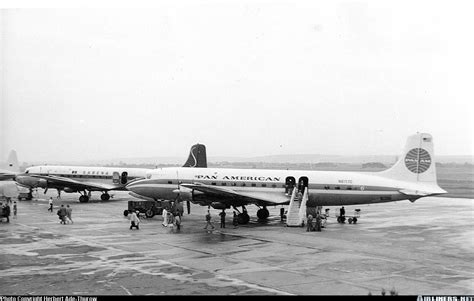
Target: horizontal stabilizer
x,y
414,192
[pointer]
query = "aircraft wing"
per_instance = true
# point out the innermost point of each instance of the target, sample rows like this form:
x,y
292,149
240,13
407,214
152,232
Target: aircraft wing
x,y
66,182
229,195
6,175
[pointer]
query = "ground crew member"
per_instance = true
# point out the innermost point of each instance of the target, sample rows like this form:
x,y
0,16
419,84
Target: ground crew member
x,y
50,204
222,215
7,212
318,222
165,218
134,221
69,213
14,209
282,213
62,214
208,220
235,220
177,220
342,213
309,224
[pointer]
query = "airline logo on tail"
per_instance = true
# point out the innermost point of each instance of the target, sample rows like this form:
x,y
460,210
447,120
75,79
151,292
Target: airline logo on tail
x,y
418,160
197,156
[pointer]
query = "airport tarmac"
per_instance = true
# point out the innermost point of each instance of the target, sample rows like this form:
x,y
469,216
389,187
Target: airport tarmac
x,y
412,248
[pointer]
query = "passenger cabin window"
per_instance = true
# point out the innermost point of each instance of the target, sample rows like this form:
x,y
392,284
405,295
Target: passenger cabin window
x,y
337,187
224,184
254,185
213,183
243,184
170,182
264,185
234,184
274,185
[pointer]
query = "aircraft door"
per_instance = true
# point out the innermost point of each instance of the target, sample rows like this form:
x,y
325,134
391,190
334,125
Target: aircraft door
x,y
289,184
124,177
116,178
302,184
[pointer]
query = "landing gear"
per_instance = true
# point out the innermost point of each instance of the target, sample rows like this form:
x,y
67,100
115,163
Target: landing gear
x,y
149,213
84,199
263,213
105,196
243,218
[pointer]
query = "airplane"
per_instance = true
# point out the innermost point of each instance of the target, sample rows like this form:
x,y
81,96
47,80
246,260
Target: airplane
x,y
81,179
413,176
8,171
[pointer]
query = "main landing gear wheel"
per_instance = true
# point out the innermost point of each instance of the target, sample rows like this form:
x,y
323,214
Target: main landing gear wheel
x,y
149,213
263,213
243,218
105,197
83,199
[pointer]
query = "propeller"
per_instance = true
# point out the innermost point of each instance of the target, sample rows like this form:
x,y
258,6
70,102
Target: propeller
x,y
178,198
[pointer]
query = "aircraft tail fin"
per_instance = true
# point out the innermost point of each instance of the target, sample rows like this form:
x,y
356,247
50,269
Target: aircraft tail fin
x,y
197,156
12,162
417,162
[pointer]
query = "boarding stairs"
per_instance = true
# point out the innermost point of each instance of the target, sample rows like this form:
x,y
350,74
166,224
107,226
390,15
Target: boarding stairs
x,y
296,216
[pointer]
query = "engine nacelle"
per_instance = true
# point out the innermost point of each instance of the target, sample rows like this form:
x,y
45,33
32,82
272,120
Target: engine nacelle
x,y
42,183
69,190
219,205
31,182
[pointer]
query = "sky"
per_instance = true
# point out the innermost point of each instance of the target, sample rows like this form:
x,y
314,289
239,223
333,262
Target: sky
x,y
245,78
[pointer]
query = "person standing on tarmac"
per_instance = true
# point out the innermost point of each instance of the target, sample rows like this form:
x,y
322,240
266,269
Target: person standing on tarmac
x,y
318,222
69,214
7,212
208,220
165,218
50,204
62,214
222,215
235,220
309,224
14,209
134,220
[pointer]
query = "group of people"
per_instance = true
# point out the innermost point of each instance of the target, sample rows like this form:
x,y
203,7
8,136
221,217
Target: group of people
x,y
314,224
172,217
65,215
6,210
235,221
